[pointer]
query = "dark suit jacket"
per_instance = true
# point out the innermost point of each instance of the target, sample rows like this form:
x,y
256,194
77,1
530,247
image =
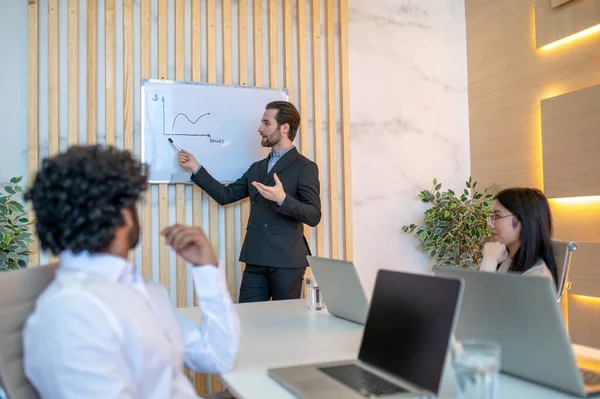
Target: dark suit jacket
x,y
275,234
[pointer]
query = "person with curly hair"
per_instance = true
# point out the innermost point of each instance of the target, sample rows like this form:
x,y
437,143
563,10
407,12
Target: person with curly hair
x,y
100,330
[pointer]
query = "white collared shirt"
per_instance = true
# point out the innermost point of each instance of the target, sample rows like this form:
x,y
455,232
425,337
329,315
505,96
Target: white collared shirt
x,y
102,331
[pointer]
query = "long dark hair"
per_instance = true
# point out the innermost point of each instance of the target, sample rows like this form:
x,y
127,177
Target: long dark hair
x,y
530,207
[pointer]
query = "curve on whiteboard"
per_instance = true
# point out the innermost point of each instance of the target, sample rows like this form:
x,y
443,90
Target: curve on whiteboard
x,y
186,117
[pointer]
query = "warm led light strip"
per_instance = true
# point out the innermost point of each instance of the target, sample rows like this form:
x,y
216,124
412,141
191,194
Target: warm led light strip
x,y
575,36
585,298
577,200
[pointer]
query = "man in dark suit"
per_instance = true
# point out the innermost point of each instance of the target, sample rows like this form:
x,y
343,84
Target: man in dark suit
x,y
284,194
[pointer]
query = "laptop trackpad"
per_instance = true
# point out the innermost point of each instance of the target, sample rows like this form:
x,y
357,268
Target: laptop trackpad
x,y
362,381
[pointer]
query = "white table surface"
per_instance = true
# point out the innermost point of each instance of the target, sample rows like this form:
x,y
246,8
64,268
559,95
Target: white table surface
x,y
286,333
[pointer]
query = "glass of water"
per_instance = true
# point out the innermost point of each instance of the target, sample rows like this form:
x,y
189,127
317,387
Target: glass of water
x,y
315,299
476,369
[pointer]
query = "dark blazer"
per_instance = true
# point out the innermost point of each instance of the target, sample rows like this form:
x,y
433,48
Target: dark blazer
x,y
275,234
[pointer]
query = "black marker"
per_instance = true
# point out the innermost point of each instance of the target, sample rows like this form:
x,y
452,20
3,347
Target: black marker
x,y
174,145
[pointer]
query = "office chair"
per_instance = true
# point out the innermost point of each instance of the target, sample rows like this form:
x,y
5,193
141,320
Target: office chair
x,y
18,292
562,254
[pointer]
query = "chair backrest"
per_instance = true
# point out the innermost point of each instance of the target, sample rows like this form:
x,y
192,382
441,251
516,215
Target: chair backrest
x,y
562,256
18,292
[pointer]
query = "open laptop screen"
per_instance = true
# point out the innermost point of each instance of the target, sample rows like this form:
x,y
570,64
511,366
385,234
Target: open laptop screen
x,y
409,325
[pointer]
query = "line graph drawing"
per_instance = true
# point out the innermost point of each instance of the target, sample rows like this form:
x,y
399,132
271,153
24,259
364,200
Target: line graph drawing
x,y
181,114
186,117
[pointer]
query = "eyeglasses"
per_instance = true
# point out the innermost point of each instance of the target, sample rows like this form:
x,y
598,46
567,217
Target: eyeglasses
x,y
491,220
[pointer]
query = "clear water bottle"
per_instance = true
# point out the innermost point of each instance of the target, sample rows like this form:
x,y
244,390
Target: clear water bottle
x,y
315,299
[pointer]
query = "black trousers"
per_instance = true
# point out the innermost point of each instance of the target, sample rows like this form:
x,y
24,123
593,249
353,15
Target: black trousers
x,y
262,283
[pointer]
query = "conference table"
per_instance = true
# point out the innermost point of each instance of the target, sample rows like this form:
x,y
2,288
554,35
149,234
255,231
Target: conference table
x,y
287,333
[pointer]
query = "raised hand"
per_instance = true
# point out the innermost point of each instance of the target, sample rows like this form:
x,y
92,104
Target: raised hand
x,y
191,244
273,193
496,251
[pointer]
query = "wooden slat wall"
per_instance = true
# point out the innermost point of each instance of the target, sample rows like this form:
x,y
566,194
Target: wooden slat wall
x,y
227,55
257,21
345,128
273,44
128,84
213,213
53,82
53,99
92,72
242,25
145,59
317,109
302,102
109,71
218,30
73,68
200,381
163,194
180,188
332,149
288,48
33,109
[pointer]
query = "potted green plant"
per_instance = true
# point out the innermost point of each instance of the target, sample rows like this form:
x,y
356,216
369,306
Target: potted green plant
x,y
14,232
455,227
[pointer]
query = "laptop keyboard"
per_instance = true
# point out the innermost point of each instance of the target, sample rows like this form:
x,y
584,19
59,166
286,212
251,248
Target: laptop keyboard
x,y
362,381
590,378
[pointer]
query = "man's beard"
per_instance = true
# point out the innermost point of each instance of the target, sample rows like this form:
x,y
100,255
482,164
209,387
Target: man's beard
x,y
134,234
271,141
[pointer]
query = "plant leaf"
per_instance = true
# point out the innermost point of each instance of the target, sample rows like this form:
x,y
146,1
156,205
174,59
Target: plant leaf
x,y
16,180
453,228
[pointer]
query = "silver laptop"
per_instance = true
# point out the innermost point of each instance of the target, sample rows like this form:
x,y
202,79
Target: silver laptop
x,y
340,286
403,349
521,314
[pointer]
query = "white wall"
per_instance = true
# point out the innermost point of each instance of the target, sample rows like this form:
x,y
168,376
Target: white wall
x,y
13,96
409,116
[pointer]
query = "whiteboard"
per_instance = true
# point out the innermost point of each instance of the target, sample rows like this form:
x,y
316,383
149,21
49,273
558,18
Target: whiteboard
x,y
217,123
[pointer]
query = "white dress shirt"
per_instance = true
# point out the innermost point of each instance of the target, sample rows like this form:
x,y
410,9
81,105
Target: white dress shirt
x,y
102,331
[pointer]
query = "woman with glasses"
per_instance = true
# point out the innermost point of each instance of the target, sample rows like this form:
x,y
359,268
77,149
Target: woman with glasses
x,y
521,226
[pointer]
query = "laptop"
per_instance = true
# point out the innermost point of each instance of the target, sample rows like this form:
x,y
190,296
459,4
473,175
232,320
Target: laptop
x,y
521,314
403,349
340,286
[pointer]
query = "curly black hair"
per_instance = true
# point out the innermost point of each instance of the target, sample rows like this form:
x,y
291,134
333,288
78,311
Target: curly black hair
x,y
78,197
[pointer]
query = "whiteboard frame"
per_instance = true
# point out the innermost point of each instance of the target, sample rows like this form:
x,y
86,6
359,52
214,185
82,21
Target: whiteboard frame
x,y
183,82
